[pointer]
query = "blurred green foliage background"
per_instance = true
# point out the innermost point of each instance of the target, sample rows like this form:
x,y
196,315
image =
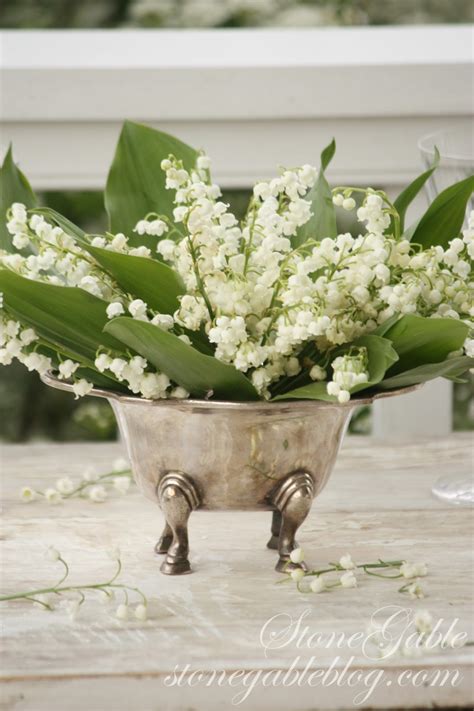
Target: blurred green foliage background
x,y
30,410
228,13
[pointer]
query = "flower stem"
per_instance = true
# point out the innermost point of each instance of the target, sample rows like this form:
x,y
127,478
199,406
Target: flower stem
x,y
66,571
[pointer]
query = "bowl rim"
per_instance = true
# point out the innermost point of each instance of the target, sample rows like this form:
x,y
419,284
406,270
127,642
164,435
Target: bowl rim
x,y
191,403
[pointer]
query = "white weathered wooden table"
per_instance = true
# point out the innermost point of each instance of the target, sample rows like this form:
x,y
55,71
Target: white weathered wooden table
x,y
377,504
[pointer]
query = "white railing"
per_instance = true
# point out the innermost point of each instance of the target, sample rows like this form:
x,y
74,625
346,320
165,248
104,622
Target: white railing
x,y
253,99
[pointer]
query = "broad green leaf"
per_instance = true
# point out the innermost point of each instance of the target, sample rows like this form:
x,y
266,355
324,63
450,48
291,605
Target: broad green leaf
x,y
130,275
153,281
420,341
136,182
451,368
101,380
14,187
381,356
106,380
66,225
406,197
322,222
312,391
68,318
382,329
196,372
444,218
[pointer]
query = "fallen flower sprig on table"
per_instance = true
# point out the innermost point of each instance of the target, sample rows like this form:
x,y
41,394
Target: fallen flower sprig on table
x,y
93,486
47,597
347,579
418,636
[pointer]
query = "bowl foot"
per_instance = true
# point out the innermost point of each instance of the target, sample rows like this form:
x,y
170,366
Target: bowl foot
x,y
273,543
162,545
285,565
177,567
178,497
276,528
177,494
292,499
164,541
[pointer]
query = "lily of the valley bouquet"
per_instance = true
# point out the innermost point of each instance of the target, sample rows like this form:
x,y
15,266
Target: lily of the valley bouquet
x,y
179,299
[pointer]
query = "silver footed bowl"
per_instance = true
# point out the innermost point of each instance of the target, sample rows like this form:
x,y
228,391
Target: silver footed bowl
x,y
242,456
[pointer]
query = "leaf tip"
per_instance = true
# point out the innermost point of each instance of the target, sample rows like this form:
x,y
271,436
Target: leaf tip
x,y
327,154
8,159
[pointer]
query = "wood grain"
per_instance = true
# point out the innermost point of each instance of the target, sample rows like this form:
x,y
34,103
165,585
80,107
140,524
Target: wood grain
x,y
377,504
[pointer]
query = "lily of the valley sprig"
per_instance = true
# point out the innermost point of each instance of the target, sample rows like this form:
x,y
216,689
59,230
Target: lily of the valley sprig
x,y
72,597
344,574
93,486
419,635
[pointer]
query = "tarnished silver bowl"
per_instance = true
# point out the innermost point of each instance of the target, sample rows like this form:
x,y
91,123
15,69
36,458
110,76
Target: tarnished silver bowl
x,y
195,454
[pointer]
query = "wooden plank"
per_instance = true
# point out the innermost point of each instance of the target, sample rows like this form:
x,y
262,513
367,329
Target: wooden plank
x,y
153,694
377,504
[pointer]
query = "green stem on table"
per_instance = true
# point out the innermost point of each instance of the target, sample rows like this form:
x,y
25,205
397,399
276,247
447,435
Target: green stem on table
x,y
337,568
58,589
66,571
29,595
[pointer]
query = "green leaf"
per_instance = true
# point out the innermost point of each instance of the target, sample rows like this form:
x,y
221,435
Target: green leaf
x,y
327,154
153,281
68,318
106,380
382,329
444,218
381,356
406,197
322,222
312,391
196,372
136,182
14,187
451,368
101,380
66,225
420,341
